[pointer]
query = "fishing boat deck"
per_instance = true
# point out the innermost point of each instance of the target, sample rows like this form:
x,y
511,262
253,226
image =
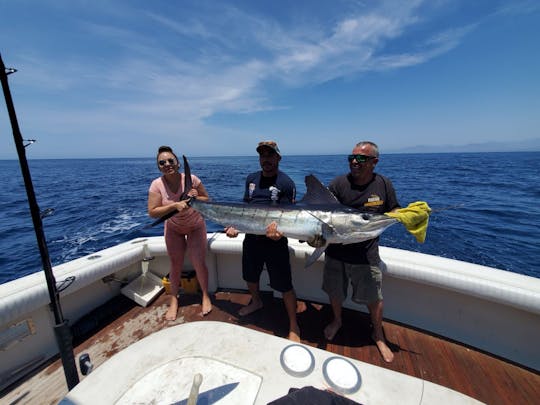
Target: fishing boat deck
x,y
120,322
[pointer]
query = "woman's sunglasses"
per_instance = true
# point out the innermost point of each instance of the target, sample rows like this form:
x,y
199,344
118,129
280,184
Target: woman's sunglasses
x,y
170,161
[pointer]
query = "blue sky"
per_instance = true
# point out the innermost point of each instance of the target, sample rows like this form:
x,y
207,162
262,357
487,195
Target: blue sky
x,y
119,78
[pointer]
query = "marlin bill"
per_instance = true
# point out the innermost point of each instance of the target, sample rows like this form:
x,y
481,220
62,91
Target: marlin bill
x,y
319,219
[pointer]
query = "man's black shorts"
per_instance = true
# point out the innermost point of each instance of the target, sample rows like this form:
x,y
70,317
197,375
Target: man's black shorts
x,y
258,250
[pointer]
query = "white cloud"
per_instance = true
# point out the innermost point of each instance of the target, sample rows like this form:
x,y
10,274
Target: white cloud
x,y
219,76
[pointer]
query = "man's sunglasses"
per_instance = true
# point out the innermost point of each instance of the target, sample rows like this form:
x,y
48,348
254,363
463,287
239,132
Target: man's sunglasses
x,y
360,158
171,162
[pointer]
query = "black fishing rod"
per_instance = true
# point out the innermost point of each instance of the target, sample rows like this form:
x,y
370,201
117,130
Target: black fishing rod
x,y
62,330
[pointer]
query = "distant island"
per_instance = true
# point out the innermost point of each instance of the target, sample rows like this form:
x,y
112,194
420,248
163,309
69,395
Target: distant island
x,y
528,145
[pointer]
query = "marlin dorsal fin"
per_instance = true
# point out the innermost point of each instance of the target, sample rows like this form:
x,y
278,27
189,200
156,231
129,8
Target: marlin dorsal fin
x,y
317,193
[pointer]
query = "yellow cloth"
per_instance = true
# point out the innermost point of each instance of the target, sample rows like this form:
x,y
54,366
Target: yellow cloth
x,y
415,218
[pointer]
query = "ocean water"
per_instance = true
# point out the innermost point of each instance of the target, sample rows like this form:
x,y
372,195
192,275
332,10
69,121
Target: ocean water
x,y
486,204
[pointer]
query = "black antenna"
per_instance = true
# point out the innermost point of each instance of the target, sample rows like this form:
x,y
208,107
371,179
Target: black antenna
x,y
61,328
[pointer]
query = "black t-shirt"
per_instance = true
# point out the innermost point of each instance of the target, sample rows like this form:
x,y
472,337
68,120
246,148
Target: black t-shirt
x,y
376,197
279,189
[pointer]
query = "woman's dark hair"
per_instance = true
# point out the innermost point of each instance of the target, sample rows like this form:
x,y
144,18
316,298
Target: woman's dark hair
x,y
162,149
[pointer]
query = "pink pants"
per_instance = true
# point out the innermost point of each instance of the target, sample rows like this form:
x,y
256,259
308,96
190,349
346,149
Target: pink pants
x,y
192,238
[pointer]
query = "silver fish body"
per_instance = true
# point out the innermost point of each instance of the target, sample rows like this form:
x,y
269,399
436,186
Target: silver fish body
x,y
294,223
317,226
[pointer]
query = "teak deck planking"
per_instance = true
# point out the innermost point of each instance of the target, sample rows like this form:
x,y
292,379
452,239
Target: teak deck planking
x,y
121,322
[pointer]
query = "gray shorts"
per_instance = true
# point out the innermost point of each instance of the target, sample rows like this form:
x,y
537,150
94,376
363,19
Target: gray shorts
x,y
366,281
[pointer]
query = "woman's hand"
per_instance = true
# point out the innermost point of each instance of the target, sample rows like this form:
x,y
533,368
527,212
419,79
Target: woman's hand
x,y
181,205
272,232
231,232
193,193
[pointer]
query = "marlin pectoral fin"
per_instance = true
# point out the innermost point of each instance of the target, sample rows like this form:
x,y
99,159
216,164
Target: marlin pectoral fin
x,y
314,256
326,228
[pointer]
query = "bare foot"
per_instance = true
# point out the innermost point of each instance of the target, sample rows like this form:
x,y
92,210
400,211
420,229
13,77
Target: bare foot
x,y
173,309
332,329
250,308
294,334
385,351
206,305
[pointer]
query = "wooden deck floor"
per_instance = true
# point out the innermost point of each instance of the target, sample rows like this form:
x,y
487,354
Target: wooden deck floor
x,y
116,325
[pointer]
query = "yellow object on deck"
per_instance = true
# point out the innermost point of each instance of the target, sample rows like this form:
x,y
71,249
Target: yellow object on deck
x,y
188,283
415,218
167,284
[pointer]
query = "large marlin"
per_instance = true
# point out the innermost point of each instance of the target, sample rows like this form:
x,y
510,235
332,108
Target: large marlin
x,y
319,219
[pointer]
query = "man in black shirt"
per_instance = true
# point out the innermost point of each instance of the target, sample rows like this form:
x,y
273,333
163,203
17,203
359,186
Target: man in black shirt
x,y
358,263
268,186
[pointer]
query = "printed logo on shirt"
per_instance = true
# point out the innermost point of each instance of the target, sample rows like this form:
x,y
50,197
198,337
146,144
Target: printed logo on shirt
x,y
251,189
374,201
274,193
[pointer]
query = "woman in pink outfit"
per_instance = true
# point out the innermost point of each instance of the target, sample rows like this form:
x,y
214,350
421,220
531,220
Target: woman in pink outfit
x,y
185,230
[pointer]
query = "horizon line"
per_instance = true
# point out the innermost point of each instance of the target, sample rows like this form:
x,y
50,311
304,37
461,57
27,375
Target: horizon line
x,y
254,155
